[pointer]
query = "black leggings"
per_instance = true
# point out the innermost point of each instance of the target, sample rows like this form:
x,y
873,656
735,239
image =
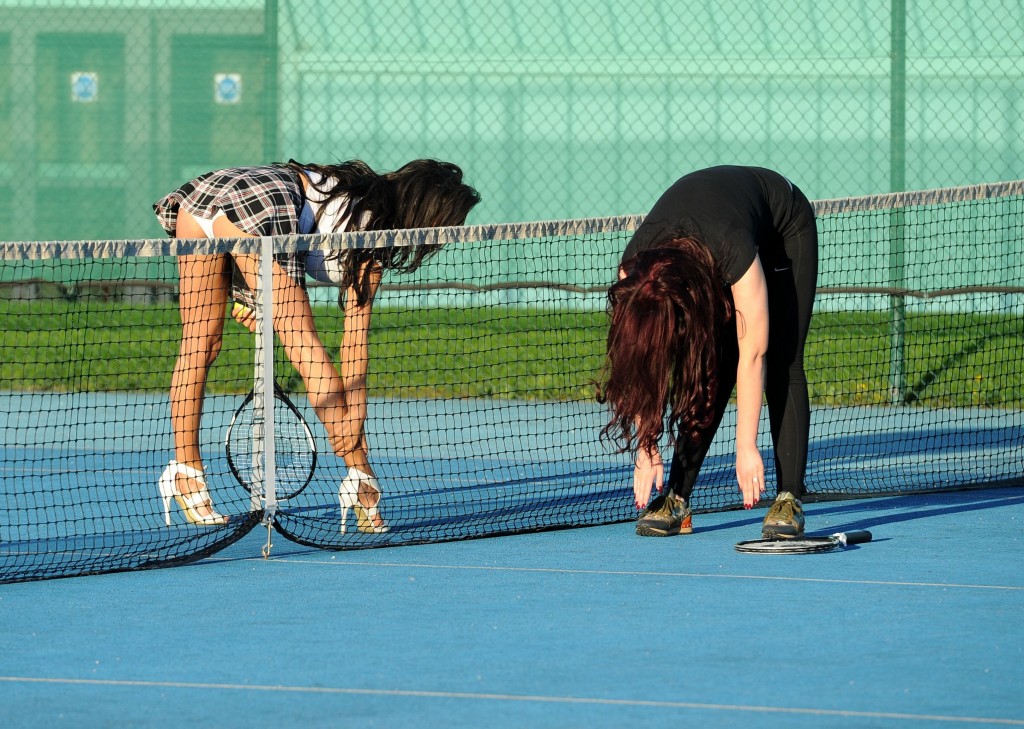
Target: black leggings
x,y
791,283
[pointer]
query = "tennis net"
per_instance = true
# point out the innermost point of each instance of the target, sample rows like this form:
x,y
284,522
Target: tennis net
x,y
481,414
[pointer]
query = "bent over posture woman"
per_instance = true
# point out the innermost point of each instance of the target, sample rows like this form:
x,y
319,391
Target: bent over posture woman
x,y
715,289
287,199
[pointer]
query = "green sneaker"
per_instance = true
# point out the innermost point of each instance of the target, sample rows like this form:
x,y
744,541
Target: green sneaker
x,y
785,518
666,516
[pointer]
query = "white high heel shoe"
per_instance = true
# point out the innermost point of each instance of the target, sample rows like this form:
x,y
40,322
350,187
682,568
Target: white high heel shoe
x,y
348,495
189,503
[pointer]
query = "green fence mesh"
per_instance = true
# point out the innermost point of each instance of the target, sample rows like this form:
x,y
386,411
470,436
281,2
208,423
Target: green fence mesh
x,y
555,108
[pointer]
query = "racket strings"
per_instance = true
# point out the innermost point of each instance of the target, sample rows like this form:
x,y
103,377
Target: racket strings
x,y
294,448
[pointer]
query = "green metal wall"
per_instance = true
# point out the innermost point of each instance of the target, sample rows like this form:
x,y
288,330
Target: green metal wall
x,y
106,105
555,108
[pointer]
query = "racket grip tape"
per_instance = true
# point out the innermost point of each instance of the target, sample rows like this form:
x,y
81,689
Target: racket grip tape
x,y
858,537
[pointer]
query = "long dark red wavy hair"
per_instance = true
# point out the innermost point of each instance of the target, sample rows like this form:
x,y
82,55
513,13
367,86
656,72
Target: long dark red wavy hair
x,y
666,315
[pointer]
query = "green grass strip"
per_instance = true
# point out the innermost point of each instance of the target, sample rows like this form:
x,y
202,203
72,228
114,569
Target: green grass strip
x,y
952,360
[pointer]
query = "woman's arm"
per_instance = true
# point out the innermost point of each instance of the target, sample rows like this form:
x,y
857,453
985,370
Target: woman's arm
x,y
355,350
750,296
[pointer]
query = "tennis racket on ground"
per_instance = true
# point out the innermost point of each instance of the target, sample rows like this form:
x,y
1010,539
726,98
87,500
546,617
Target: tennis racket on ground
x,y
294,447
804,545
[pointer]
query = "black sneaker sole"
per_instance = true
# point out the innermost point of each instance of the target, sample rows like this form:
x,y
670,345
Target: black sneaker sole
x,y
645,530
770,534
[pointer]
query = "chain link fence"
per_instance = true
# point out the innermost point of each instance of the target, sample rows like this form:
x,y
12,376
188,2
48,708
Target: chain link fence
x,y
554,108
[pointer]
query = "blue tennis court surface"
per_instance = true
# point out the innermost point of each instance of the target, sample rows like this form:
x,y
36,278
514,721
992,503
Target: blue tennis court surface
x,y
591,627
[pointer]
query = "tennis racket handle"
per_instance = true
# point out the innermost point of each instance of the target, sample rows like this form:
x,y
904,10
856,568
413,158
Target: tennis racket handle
x,y
858,537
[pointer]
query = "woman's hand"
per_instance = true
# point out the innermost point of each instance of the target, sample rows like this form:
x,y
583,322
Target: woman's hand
x,y
749,475
244,316
648,473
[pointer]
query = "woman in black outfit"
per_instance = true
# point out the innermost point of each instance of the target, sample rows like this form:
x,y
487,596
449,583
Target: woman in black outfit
x,y
715,290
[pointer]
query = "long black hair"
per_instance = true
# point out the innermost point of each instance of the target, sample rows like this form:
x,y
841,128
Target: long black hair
x,y
424,193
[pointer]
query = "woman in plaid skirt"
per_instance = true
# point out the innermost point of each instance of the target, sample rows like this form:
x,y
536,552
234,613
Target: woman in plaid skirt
x,y
284,199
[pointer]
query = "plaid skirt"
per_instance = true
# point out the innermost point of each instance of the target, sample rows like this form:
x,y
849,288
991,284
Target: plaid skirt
x,y
261,201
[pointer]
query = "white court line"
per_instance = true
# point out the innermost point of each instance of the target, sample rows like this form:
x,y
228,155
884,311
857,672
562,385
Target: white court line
x,y
626,573
523,698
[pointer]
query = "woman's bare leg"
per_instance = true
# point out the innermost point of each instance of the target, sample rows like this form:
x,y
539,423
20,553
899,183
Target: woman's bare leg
x,y
296,328
203,289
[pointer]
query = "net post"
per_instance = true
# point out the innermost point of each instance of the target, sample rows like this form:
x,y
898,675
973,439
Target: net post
x,y
265,366
259,406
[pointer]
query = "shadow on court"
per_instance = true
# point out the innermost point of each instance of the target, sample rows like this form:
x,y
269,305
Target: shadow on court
x,y
883,511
